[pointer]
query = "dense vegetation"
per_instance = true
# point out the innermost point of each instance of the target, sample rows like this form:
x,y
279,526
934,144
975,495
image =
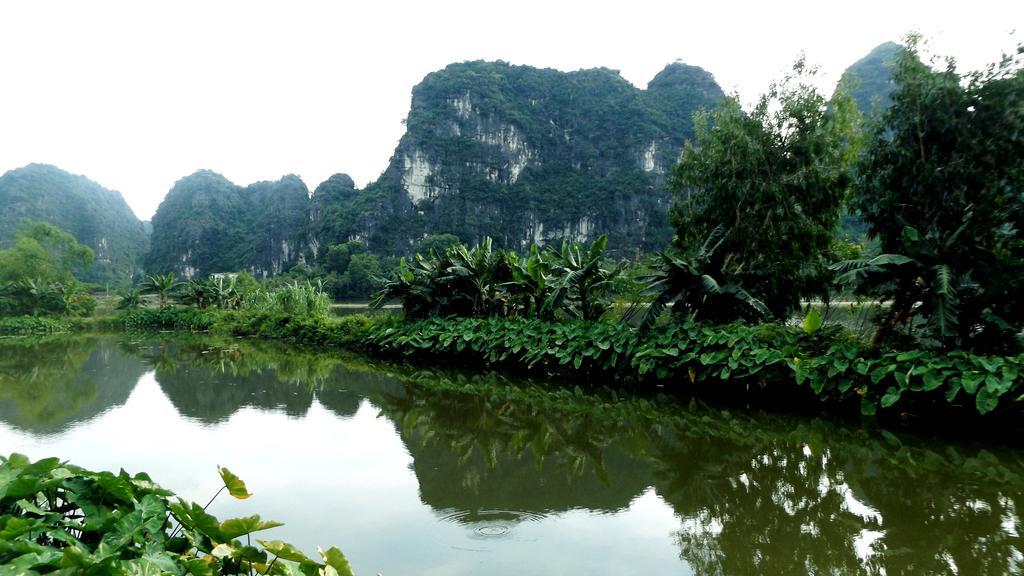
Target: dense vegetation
x,y
59,518
942,188
731,361
95,216
760,194
37,274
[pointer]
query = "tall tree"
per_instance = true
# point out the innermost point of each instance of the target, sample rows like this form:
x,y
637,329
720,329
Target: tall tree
x,y
772,183
942,187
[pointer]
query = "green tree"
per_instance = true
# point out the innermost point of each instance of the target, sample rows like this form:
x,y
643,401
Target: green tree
x,y
163,285
942,187
774,181
43,252
436,243
359,279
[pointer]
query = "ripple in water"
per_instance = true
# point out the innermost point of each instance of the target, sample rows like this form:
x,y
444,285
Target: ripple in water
x,y
491,523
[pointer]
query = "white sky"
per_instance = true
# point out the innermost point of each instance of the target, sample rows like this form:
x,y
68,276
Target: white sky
x,y
136,94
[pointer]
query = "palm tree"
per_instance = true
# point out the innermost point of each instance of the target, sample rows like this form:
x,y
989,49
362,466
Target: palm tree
x,y
163,285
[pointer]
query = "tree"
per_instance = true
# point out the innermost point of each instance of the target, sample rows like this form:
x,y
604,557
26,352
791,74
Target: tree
x,y
942,187
43,252
436,243
774,181
163,285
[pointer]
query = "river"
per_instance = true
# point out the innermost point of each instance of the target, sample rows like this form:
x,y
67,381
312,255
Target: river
x,y
438,472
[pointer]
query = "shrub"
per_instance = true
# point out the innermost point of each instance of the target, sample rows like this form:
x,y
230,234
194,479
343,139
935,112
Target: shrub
x,y
59,518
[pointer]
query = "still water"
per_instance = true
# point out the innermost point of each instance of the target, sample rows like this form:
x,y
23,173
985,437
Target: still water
x,y
491,477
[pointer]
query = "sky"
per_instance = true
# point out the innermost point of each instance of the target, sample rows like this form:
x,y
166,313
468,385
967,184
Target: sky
x,y
136,95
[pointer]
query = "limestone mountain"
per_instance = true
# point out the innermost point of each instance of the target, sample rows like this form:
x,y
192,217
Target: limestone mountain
x,y
207,224
526,155
869,80
94,215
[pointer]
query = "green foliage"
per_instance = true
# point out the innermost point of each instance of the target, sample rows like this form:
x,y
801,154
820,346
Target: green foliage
x,y
42,298
941,184
295,299
698,288
56,517
43,252
169,318
575,282
35,325
774,181
737,358
163,285
436,243
130,298
218,291
94,216
344,332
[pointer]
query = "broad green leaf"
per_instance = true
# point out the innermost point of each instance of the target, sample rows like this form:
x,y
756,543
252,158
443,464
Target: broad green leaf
x,y
334,559
234,484
284,550
986,401
892,395
812,322
235,527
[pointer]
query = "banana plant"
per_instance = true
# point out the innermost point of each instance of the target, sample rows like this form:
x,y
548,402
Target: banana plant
x,y
697,288
531,284
582,281
919,284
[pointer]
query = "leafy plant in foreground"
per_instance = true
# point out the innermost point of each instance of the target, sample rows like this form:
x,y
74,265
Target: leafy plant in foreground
x,y
59,518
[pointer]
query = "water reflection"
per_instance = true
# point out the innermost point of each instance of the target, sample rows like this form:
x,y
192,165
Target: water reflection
x,y
754,495
47,386
513,470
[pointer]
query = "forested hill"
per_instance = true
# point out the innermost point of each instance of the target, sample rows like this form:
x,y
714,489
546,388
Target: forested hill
x,y
869,80
94,215
528,155
207,224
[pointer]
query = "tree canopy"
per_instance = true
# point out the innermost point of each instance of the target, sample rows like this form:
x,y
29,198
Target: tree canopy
x,y
769,186
942,187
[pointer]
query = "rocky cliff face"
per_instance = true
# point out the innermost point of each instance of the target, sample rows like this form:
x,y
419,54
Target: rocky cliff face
x,y
95,216
207,224
528,155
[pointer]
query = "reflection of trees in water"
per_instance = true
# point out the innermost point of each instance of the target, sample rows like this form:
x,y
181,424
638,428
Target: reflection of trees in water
x,y
47,386
471,453
209,379
757,495
754,494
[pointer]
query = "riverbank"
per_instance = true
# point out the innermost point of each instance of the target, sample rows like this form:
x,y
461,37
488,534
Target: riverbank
x,y
765,365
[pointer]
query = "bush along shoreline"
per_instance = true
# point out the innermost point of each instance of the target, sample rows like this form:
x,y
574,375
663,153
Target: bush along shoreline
x,y
766,362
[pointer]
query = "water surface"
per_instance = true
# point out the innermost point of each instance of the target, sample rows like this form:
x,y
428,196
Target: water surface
x,y
492,478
